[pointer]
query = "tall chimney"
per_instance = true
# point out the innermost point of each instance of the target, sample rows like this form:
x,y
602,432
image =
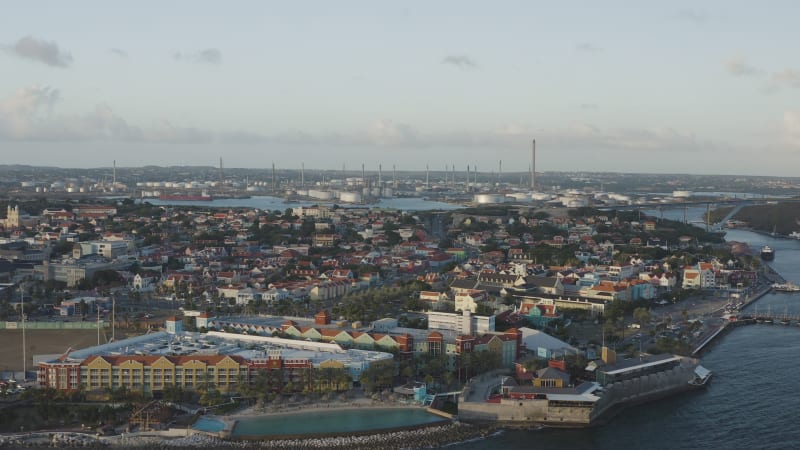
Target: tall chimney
x,y
533,165
427,176
394,176
273,176
302,174
114,186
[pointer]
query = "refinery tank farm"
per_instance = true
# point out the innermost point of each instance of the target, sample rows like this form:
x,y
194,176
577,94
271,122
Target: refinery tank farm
x,y
462,184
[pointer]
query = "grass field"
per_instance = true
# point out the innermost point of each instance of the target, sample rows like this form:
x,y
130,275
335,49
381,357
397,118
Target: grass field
x,y
40,342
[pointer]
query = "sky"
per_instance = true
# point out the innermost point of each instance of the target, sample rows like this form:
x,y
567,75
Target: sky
x,y
614,86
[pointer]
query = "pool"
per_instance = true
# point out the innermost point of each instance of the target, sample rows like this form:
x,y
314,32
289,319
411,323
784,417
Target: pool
x,y
209,425
333,422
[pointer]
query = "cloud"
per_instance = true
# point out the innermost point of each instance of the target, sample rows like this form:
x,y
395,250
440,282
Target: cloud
x,y
692,15
206,56
787,78
460,61
791,127
587,48
738,67
30,115
118,52
42,51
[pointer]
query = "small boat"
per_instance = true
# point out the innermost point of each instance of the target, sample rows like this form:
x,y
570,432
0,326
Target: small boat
x,y
786,287
767,253
785,322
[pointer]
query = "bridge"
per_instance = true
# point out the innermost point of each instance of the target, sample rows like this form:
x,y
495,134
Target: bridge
x,y
748,319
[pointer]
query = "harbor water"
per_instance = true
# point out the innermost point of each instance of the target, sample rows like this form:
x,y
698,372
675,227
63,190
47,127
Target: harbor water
x,y
750,403
280,204
333,422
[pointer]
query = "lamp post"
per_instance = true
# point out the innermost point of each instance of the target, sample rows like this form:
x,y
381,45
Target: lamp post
x,y
113,314
22,317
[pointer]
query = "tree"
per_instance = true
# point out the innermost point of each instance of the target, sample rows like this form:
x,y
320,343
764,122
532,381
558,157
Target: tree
x,y
641,315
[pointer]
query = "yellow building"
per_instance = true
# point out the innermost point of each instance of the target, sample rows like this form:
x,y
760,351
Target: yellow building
x,y
155,373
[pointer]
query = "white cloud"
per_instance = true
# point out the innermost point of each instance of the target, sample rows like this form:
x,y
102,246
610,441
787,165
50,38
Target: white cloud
x,y
207,56
692,15
737,66
791,127
460,61
118,52
46,52
587,47
787,77
30,115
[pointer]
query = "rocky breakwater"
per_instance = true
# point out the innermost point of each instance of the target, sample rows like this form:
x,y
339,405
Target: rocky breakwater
x,y
51,440
429,437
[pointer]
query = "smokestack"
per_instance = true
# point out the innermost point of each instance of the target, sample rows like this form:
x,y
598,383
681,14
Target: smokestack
x,y
467,177
114,186
273,177
380,174
394,176
500,171
427,177
533,165
363,176
221,172
302,174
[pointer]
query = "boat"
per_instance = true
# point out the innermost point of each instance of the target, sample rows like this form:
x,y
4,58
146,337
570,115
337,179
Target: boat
x,y
767,253
786,287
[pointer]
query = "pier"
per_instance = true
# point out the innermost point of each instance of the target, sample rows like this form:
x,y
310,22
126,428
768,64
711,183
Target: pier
x,y
747,319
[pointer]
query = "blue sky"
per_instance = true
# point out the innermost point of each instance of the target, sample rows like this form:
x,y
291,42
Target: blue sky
x,y
697,87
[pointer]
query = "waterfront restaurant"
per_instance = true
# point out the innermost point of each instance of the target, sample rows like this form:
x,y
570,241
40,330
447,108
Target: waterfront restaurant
x,y
636,367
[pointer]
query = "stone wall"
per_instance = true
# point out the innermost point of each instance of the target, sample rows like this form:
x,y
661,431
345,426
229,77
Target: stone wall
x,y
533,411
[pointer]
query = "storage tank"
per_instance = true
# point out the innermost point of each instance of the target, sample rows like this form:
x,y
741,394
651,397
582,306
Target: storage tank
x,y
489,198
321,195
350,197
28,184
681,194
388,192
520,196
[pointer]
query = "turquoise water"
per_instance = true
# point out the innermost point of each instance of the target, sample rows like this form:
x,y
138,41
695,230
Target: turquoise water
x,y
333,422
208,424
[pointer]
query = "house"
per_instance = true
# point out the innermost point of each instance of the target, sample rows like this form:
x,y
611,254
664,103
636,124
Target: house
x,y
469,300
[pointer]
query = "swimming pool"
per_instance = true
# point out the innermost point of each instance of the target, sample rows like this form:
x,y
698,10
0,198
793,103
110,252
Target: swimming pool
x,y
208,424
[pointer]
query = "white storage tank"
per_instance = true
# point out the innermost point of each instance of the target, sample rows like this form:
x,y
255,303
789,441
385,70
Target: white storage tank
x,y
350,197
489,198
681,194
320,195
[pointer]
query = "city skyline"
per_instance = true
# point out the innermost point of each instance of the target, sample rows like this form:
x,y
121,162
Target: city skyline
x,y
677,88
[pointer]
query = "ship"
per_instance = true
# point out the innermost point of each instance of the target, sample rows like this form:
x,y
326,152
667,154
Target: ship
x,y
786,287
767,253
186,198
